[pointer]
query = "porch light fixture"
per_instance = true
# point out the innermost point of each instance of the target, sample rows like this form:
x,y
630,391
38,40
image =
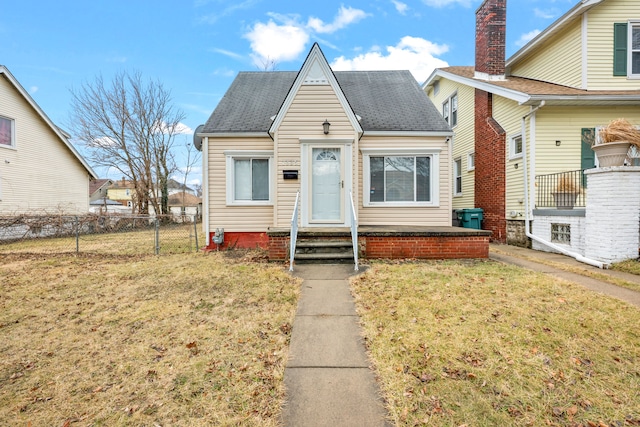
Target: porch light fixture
x,y
325,126
558,142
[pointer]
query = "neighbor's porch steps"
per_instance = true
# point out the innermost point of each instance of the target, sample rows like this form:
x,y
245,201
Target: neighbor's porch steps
x,y
317,250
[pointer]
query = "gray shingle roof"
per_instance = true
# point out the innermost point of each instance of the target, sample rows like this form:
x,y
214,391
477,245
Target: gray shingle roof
x,y
386,101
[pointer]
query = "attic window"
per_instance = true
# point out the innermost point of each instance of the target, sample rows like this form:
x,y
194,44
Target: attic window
x,y
7,132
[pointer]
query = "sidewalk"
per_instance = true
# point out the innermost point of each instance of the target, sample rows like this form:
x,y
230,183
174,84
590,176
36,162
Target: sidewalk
x,y
535,260
328,377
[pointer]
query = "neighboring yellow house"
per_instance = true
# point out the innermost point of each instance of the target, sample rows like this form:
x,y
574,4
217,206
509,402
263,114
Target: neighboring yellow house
x,y
40,170
371,140
525,120
121,191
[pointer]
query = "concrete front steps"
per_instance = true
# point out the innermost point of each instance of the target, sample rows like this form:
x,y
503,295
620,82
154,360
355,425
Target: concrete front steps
x,y
310,250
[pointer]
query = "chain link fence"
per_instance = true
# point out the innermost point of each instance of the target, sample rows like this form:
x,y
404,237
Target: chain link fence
x,y
100,234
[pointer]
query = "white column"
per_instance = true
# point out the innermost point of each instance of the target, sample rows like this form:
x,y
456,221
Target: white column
x,y
612,213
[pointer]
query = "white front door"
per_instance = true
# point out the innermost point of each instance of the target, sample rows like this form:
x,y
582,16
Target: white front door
x,y
327,185
326,168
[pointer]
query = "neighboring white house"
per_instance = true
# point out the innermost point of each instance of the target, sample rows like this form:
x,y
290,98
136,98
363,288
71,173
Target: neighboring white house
x,y
40,170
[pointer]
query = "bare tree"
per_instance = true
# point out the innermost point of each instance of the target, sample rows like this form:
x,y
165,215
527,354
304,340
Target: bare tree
x,y
130,125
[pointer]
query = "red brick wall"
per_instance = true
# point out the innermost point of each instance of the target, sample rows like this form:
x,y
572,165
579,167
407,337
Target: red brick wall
x,y
427,247
241,240
389,247
490,179
491,19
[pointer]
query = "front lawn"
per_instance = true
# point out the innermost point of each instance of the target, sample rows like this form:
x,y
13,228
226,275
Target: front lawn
x,y
479,343
180,340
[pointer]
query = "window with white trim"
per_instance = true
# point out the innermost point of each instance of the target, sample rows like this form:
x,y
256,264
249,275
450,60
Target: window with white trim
x,y
471,161
249,178
7,132
515,146
634,49
457,177
400,179
626,49
450,110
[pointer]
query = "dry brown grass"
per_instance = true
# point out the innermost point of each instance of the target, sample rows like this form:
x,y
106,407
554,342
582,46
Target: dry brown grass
x,y
480,343
630,266
184,340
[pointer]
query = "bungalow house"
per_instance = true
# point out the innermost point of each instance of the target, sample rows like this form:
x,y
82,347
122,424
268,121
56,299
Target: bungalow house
x,y
40,170
524,125
330,152
98,189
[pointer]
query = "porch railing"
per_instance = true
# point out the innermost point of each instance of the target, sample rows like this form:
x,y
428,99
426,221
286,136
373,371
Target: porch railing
x,y
550,187
354,232
294,232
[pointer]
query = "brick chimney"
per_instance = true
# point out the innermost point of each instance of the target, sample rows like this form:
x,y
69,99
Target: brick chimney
x,y
491,19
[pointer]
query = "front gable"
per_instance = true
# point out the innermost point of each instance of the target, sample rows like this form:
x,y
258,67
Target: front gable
x,y
315,72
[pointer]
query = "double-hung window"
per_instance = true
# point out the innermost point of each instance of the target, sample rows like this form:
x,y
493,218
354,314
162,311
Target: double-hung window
x,y
249,177
516,147
457,177
7,132
634,50
405,179
450,110
626,49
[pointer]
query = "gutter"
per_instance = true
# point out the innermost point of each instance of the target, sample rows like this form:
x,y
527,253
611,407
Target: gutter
x,y
575,255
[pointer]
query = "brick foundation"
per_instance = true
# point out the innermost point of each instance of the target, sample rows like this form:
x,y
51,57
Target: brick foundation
x,y
426,247
241,240
455,243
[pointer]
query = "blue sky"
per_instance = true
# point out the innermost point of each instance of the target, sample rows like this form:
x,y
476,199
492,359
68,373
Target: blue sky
x,y
196,47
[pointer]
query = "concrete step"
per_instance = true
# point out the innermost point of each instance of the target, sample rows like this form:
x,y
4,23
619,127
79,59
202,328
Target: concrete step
x,y
323,244
324,256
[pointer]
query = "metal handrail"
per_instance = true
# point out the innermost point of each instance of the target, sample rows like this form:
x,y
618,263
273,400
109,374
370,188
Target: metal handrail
x,y
294,232
354,232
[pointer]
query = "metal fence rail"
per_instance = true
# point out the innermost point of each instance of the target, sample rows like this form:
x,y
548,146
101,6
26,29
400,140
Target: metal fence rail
x,y
101,234
551,189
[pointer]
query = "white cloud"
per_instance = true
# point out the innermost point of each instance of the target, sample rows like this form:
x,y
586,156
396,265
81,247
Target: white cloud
x,y
228,53
285,37
443,3
545,14
33,89
345,16
525,38
183,129
412,53
273,42
400,7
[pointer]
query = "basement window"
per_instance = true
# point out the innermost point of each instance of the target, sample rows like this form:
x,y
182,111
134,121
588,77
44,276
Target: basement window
x,y
561,233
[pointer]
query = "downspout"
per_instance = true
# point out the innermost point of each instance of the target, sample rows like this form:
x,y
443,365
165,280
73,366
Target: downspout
x,y
527,220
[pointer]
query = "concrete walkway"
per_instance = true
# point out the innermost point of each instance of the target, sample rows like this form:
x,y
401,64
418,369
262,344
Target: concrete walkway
x,y
541,262
328,377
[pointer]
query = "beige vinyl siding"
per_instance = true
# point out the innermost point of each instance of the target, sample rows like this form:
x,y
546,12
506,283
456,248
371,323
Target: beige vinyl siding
x,y
234,218
600,43
565,125
422,216
303,121
463,140
41,174
509,115
558,60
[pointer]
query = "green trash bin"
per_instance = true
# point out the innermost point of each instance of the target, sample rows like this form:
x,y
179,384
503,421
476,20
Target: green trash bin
x,y
471,218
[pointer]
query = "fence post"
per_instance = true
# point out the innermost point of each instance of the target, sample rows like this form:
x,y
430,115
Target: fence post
x,y
77,235
195,229
157,236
